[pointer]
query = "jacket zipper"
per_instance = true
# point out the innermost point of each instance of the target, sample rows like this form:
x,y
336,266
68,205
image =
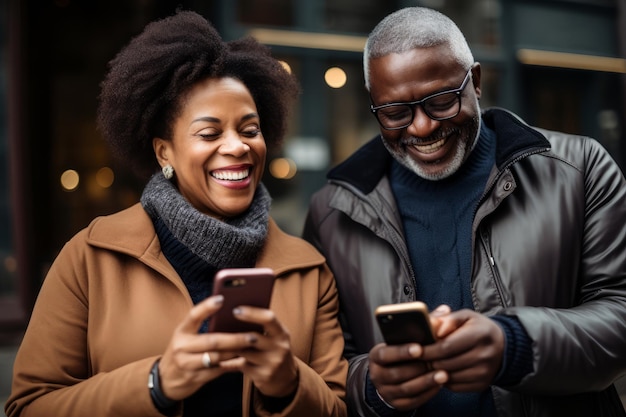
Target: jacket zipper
x,y
484,238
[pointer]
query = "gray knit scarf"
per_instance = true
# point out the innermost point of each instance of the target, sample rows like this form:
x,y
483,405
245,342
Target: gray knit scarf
x,y
235,241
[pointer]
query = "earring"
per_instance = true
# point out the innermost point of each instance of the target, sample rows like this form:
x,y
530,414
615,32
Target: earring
x,y
168,171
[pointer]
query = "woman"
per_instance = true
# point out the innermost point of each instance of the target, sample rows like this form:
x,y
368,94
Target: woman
x,y
119,328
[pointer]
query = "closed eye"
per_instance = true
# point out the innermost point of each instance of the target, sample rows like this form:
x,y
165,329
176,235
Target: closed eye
x,y
209,136
251,133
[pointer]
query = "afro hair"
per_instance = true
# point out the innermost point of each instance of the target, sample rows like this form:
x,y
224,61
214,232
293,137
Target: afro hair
x,y
146,83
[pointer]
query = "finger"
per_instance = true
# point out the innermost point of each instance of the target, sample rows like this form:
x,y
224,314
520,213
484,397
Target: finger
x,y
448,348
413,402
479,335
479,375
200,312
399,373
261,316
414,392
446,355
194,362
233,364
442,310
213,359
450,322
435,318
383,354
475,355
224,343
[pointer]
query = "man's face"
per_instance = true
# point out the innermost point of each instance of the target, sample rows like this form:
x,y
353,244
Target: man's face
x,y
433,149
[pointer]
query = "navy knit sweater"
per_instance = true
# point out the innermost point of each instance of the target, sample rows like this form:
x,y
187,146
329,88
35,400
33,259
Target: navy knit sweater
x,y
222,396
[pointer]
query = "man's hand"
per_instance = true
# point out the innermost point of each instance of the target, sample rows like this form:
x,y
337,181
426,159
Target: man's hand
x,y
401,378
470,349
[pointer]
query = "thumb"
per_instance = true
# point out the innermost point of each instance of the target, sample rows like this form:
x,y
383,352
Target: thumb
x,y
192,322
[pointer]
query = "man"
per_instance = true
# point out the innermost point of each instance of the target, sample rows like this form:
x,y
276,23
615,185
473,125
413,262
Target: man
x,y
513,235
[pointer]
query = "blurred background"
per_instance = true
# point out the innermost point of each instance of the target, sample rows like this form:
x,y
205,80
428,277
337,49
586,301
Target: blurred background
x,y
559,64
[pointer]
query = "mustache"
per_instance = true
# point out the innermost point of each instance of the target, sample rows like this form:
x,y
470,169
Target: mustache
x,y
436,136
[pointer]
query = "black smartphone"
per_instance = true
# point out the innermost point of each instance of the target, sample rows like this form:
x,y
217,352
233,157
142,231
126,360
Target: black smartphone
x,y
240,287
405,323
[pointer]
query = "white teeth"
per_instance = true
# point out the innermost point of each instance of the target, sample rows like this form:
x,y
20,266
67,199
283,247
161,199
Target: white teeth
x,y
430,148
231,175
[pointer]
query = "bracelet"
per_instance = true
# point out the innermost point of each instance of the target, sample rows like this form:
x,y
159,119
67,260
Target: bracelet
x,y
380,397
161,402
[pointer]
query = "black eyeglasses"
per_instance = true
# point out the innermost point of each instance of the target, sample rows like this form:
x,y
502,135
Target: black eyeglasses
x,y
439,106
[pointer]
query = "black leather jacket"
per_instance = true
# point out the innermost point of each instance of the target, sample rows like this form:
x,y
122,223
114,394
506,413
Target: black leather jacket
x,y
549,246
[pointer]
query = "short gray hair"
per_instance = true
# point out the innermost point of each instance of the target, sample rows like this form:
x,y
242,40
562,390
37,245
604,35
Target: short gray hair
x,y
414,27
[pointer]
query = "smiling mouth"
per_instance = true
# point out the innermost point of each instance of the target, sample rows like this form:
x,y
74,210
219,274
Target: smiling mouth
x,y
431,147
231,175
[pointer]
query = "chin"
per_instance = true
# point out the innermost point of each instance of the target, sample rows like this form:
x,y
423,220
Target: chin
x,y
431,171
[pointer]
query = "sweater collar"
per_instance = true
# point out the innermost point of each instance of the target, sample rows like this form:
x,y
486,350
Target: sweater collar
x,y
234,242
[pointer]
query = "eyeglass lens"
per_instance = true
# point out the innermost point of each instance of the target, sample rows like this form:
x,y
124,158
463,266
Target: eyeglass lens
x,y
441,107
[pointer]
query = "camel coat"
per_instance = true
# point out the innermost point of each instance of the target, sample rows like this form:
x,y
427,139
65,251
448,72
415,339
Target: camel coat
x,y
109,305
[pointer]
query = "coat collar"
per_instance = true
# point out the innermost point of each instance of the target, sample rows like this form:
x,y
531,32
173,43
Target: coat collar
x,y
131,232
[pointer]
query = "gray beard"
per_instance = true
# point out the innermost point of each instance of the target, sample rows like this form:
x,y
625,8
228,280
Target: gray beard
x,y
460,157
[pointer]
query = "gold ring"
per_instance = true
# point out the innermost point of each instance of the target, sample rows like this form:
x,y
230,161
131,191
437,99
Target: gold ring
x,y
206,360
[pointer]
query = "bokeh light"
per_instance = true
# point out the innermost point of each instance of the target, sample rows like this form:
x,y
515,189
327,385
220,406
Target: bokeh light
x,y
283,168
105,177
335,77
70,180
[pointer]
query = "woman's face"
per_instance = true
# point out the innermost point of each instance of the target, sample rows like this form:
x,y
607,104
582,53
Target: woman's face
x,y
217,149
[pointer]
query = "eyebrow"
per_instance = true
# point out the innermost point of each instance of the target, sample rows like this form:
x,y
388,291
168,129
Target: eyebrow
x,y
217,120
458,89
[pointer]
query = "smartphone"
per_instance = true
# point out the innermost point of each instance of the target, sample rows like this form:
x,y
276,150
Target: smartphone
x,y
240,287
405,323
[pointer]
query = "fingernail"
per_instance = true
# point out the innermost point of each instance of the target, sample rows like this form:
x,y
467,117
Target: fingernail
x,y
252,339
415,351
440,377
236,311
218,300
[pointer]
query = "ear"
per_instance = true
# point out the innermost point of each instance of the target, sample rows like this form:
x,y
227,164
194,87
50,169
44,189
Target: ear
x,y
162,150
476,72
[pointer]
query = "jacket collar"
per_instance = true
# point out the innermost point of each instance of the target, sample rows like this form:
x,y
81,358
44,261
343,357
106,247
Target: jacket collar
x,y
370,163
131,232
364,168
515,138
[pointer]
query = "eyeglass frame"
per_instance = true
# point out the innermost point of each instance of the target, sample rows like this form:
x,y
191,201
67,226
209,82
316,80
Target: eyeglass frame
x,y
413,104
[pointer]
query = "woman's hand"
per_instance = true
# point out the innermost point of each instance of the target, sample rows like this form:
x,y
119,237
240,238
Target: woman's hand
x,y
183,367
268,360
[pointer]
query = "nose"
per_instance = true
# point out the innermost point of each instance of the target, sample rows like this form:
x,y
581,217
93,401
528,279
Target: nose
x,y
422,125
233,145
